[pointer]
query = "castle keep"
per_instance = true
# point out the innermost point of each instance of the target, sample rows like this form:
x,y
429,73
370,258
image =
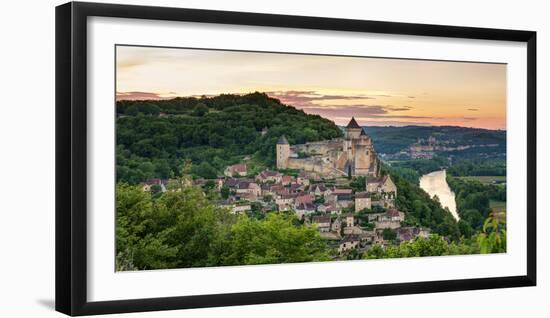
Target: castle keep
x,y
354,154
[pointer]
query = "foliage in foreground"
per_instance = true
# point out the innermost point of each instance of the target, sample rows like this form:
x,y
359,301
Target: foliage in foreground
x,y
182,229
434,245
491,240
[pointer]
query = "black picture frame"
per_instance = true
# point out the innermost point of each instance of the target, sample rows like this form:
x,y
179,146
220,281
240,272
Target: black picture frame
x,y
71,157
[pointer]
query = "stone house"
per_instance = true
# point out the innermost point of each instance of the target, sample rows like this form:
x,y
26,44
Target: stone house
x,y
329,208
336,225
304,209
349,242
362,201
323,222
304,198
391,219
337,191
232,183
269,176
155,181
249,187
266,189
235,170
295,188
350,221
219,183
344,201
371,217
283,207
405,234
247,196
319,189
383,184
286,180
241,208
286,199
302,178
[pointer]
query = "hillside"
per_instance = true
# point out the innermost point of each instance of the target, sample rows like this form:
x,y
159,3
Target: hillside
x,y
391,140
155,137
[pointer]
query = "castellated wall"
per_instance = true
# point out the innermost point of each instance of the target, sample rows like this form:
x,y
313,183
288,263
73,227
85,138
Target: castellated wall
x,y
314,164
331,157
318,147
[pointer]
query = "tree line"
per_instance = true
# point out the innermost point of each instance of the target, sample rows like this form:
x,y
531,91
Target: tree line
x,y
182,228
154,137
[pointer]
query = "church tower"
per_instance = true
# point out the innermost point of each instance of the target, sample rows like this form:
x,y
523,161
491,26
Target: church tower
x,y
283,153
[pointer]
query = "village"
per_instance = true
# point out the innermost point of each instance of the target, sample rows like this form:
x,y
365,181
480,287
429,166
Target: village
x,y
317,189
350,220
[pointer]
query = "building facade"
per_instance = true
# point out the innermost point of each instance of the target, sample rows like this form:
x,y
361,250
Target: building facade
x,y
352,155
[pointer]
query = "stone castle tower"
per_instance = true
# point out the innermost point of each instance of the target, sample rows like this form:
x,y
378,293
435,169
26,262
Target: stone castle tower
x,y
363,154
362,160
353,130
283,153
352,155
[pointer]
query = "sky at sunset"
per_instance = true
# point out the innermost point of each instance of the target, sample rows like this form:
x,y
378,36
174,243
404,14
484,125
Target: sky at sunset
x,y
377,91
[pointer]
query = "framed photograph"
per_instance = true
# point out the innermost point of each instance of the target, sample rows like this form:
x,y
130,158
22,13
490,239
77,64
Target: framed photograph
x,y
209,158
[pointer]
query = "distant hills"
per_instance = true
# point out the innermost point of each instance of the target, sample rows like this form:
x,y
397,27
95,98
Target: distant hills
x,y
391,139
155,137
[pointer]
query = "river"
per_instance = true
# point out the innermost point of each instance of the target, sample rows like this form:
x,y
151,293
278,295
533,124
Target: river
x,y
435,183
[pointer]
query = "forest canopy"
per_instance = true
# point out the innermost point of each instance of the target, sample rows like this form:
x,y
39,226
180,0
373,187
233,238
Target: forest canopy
x,y
184,229
155,137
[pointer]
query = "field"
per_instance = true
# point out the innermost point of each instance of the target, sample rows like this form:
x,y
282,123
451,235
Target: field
x,y
486,179
497,206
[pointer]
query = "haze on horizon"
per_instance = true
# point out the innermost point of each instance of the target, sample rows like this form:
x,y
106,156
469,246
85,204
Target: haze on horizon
x,y
376,91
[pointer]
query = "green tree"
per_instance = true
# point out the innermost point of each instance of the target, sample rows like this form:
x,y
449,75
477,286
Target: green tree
x,y
156,190
183,229
389,234
276,239
493,237
180,229
224,192
205,170
434,245
358,184
200,110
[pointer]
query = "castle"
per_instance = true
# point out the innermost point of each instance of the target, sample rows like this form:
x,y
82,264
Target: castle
x,y
352,155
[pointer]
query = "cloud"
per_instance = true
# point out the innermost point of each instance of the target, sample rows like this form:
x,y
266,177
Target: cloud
x,y
139,96
411,96
469,118
362,112
473,109
399,108
397,123
301,99
363,109
340,106
125,63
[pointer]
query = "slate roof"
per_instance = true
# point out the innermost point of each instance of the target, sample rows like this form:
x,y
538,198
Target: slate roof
x,y
353,123
321,219
362,195
392,213
282,141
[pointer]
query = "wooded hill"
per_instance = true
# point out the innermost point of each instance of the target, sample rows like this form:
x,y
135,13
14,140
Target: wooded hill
x,y
155,137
